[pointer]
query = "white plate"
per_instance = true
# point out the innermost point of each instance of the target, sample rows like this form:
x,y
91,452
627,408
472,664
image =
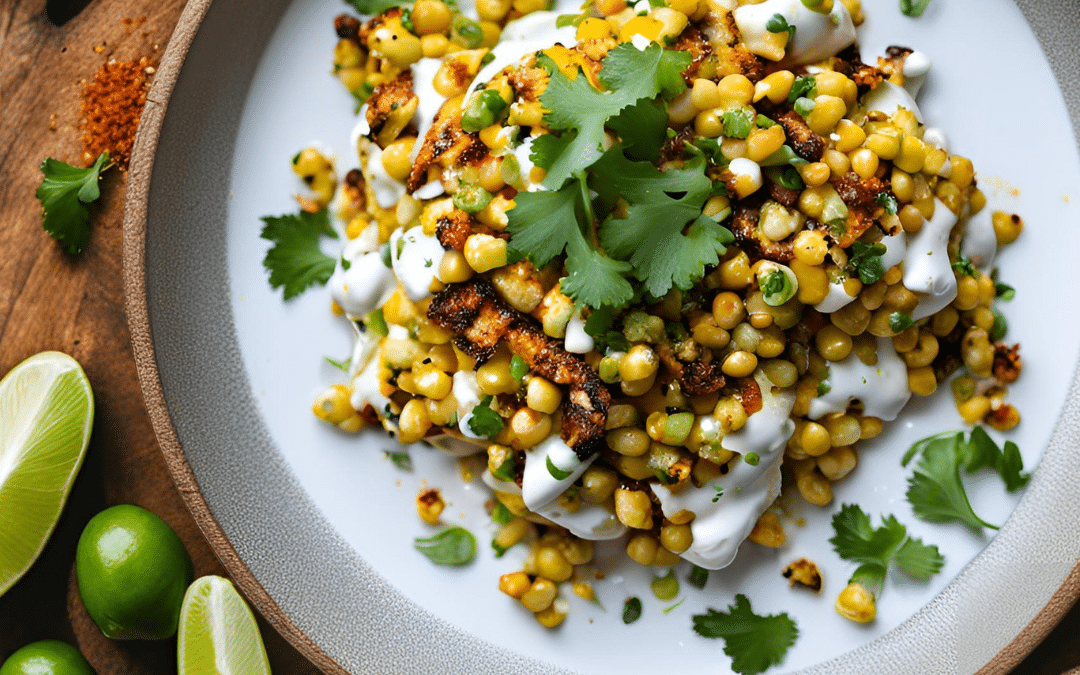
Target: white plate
x,y
325,523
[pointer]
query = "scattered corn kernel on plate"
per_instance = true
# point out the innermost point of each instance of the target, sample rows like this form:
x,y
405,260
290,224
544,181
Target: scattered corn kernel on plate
x,y
319,517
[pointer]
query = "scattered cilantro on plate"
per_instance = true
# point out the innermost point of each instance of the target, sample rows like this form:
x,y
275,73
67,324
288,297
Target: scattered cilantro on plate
x,y
295,261
754,643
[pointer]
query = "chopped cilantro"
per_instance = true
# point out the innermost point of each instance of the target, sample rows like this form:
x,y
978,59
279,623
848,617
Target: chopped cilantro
x,y
876,548
642,128
485,421
779,24
600,327
764,122
343,366
453,547
899,322
556,472
805,86
1000,326
499,549
913,8
737,123
518,368
786,176
505,471
1002,291
64,192
295,261
886,201
406,20
804,106
866,261
502,515
631,610
719,493
401,460
754,643
698,577
376,323
963,265
936,491
575,20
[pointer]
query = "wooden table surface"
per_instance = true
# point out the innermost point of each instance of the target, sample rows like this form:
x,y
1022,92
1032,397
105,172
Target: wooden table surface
x,y
52,300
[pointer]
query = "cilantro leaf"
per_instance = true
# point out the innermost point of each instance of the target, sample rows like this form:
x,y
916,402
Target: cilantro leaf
x,y
401,459
485,421
593,279
913,8
343,366
964,266
370,7
642,129
295,261
1002,290
899,322
737,123
935,490
63,193
661,205
541,224
579,110
779,24
754,643
857,540
887,202
918,560
502,515
546,149
600,327
453,547
981,451
866,261
804,87
1011,468
556,472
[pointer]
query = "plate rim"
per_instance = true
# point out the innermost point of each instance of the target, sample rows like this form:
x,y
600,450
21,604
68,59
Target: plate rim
x,y
136,206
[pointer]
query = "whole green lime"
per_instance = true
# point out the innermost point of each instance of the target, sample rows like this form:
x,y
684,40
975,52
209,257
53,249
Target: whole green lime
x,y
47,657
132,572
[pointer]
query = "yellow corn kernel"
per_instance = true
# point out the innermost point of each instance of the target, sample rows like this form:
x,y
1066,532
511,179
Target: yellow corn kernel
x,y
396,44
551,617
514,584
827,112
431,382
775,86
430,505
593,28
640,25
768,531
431,16
707,123
864,162
1007,227
673,23
851,136
414,422
485,252
454,268
540,595
884,145
542,395
530,428
494,378
332,405
763,142
735,90
912,155
856,603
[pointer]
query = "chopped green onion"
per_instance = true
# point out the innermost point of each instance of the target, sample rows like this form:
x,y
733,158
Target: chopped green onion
x,y
737,123
485,109
471,198
778,284
467,32
804,106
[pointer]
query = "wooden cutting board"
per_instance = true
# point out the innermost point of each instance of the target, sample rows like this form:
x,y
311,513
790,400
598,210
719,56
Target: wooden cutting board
x,y
52,300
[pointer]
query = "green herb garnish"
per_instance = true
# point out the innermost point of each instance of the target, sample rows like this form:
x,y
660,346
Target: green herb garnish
x,y
899,322
64,193
556,472
452,547
631,610
779,24
485,421
737,123
754,643
295,261
343,366
698,577
518,368
401,460
913,8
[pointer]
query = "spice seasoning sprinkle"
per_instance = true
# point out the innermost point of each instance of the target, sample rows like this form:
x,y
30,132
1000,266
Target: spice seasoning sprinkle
x,y
112,104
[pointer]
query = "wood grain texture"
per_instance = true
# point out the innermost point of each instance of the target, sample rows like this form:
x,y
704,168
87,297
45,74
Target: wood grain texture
x,y
50,300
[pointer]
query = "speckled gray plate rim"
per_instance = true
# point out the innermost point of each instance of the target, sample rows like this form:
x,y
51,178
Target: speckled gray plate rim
x,y
289,565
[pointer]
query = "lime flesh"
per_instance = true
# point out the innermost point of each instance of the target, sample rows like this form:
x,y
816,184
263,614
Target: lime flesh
x,y
46,413
218,633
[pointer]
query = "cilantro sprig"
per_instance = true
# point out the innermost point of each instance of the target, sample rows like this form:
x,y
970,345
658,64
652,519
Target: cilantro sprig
x,y
876,549
295,261
865,261
936,491
64,193
485,421
754,643
913,8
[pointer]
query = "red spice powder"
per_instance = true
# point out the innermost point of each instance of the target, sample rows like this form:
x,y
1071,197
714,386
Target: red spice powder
x,y
112,104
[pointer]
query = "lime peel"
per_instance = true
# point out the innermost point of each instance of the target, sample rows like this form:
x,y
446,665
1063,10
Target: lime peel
x,y
218,634
46,414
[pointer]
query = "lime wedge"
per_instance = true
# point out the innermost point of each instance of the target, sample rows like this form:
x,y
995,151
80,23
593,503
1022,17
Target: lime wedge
x,y
218,633
46,412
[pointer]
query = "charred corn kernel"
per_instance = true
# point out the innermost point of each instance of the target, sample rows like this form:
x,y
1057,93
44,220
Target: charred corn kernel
x,y
707,123
629,441
763,142
515,584
977,352
814,174
673,23
739,364
485,252
552,564
814,488
843,429
332,405
640,25
828,111
864,162
456,73
542,395
598,484
540,595
633,508
414,422
676,538
430,505
454,268
921,381
728,310
735,274
530,427
774,86
856,603
431,16
814,439
851,136
431,382
640,362
768,531
553,616
1007,227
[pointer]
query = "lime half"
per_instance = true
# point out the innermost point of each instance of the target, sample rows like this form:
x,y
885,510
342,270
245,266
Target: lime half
x,y
46,412
218,633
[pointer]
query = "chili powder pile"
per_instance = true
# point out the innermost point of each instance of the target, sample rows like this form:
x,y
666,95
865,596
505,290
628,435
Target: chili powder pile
x,y
112,104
